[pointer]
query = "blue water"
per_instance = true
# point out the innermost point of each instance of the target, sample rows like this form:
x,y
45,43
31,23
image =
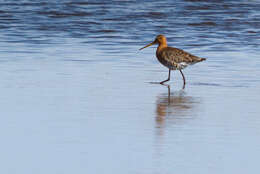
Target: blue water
x,y
76,95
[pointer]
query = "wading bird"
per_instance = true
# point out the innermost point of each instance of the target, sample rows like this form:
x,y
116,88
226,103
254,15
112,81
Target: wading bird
x,y
173,58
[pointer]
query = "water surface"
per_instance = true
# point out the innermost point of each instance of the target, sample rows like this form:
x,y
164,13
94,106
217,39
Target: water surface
x,y
76,95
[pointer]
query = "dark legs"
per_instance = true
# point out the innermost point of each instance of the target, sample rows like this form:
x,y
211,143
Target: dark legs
x,y
184,82
169,76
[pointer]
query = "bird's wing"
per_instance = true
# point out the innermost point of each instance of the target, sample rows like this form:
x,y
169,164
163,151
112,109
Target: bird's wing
x,y
177,55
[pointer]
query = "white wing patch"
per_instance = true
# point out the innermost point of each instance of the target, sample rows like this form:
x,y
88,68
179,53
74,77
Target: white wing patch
x,y
182,65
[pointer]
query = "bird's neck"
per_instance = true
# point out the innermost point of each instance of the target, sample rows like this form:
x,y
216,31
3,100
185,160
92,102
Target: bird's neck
x,y
161,46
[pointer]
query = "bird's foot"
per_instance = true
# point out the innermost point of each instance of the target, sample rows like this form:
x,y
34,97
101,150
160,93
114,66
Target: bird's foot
x,y
162,82
155,82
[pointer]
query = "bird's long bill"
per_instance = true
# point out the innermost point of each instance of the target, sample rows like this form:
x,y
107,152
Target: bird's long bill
x,y
147,45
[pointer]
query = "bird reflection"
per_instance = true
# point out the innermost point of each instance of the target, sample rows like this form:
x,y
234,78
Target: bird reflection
x,y
175,106
173,109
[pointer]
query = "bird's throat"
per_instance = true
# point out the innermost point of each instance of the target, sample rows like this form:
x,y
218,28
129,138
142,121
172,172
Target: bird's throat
x,y
161,46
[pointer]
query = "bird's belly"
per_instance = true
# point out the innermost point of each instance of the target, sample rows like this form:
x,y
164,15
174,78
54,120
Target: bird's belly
x,y
174,66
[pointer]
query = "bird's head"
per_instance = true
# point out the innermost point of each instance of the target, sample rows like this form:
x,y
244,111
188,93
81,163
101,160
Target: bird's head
x,y
160,39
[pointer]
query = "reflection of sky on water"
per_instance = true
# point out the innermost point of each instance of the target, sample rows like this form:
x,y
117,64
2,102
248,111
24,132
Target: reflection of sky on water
x,y
74,97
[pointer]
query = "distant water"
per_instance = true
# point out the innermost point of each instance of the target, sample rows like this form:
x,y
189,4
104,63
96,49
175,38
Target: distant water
x,y
76,97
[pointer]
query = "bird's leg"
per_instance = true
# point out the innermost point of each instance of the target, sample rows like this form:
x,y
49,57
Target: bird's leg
x,y
184,82
169,76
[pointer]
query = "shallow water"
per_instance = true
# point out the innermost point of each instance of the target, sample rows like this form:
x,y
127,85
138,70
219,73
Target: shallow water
x,y
77,97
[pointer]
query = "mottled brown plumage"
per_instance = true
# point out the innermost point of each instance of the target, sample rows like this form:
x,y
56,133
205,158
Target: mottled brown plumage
x,y
173,58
